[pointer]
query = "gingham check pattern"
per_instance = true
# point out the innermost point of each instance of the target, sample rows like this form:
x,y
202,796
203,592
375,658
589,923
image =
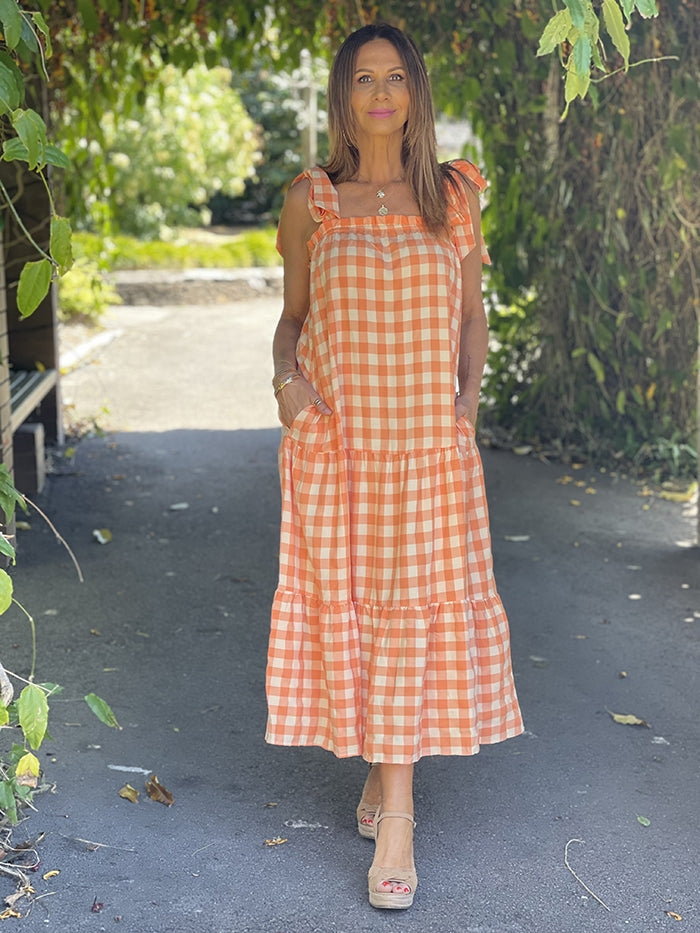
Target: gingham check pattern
x,y
388,639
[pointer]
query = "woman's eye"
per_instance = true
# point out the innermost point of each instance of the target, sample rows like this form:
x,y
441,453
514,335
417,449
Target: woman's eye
x,y
366,79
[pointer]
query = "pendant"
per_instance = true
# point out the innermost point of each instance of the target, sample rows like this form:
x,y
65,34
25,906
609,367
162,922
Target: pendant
x,y
383,209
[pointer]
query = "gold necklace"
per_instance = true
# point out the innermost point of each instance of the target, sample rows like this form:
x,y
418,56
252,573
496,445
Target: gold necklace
x,y
383,210
381,194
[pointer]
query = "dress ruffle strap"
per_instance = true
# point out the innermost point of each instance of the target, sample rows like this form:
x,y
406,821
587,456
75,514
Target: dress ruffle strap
x,y
323,197
459,214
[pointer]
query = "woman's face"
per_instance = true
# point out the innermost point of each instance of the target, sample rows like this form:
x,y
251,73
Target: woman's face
x,y
380,97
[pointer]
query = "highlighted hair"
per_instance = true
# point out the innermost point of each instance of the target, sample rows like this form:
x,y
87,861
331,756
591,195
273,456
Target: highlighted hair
x,y
424,174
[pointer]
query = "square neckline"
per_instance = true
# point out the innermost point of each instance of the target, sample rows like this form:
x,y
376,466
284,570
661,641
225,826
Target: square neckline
x,y
340,216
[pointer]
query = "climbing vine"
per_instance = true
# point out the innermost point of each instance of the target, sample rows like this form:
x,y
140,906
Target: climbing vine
x,y
592,222
26,44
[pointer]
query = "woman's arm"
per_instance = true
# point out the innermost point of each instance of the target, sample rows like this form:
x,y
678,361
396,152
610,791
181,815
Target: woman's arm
x,y
474,335
296,226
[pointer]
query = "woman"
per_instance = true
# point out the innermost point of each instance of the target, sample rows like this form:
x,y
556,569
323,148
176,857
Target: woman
x,y
388,637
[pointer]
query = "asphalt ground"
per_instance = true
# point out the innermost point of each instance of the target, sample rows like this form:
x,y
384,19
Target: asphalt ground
x,y
170,627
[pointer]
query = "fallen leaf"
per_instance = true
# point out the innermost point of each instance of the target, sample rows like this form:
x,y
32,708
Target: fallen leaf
x,y
102,710
270,804
277,841
673,496
523,450
6,914
157,792
628,719
96,906
23,526
179,506
590,491
27,771
622,675
51,874
129,793
673,915
69,453
102,535
574,502
516,538
643,820
25,891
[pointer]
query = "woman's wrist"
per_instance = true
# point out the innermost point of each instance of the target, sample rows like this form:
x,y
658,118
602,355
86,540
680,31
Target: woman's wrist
x,y
283,368
283,379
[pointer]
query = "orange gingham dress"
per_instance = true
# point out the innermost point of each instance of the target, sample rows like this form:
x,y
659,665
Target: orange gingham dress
x,y
388,637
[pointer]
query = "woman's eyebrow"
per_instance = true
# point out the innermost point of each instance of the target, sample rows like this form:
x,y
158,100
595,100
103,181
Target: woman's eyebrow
x,y
371,70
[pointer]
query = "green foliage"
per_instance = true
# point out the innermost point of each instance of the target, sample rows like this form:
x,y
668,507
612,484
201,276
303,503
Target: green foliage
x,y
617,317
34,282
155,162
33,714
249,248
5,591
9,497
275,101
574,33
26,44
85,292
102,710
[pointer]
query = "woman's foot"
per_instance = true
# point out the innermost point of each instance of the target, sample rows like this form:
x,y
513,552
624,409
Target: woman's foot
x,y
392,877
369,803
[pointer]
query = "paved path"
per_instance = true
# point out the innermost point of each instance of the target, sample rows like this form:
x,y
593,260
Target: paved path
x,y
170,627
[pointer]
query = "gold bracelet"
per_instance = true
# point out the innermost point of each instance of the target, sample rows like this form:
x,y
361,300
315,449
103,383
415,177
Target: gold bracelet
x,y
282,374
285,382
285,366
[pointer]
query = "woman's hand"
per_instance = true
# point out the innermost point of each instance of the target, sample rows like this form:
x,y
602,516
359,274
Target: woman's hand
x,y
467,406
297,395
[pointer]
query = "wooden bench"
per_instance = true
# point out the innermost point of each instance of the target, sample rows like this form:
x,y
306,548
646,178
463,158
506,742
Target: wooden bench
x,y
28,389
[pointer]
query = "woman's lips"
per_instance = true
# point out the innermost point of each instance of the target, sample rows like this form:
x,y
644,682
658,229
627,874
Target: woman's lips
x,y
382,113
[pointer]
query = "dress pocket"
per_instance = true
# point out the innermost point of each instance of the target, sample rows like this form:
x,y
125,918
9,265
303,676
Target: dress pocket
x,y
466,432
310,428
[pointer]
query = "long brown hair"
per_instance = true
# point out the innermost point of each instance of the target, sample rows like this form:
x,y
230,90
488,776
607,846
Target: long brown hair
x,y
425,175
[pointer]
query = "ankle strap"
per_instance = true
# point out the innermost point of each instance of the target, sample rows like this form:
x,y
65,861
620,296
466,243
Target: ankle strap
x,y
394,813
